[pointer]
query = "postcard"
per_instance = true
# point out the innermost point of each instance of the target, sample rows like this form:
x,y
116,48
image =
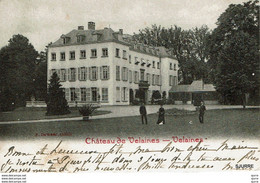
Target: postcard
x,y
129,87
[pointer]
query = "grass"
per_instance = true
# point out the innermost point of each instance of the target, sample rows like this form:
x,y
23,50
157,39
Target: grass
x,y
235,123
26,113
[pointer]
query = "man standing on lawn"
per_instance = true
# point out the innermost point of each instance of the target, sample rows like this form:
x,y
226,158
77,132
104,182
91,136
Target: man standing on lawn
x,y
202,109
143,113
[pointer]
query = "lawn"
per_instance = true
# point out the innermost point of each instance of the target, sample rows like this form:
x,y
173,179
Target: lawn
x,y
34,113
235,123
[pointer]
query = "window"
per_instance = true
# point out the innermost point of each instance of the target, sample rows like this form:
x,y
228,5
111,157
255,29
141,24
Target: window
x,y
72,94
94,94
63,75
94,73
124,94
130,59
104,52
153,79
53,71
117,52
148,63
62,56
118,94
118,73
80,38
174,67
130,76
158,65
104,72
53,56
72,74
136,77
82,74
170,66
124,55
72,55
148,77
136,60
83,94
175,82
142,74
156,80
93,53
82,54
104,94
153,64
124,74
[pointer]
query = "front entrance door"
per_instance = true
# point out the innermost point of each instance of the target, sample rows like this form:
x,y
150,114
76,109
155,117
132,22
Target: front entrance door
x,y
94,94
131,96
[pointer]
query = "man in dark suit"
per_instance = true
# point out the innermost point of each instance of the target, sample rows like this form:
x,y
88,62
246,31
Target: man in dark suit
x,y
202,110
143,113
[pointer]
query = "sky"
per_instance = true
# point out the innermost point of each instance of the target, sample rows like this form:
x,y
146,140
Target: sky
x,y
44,21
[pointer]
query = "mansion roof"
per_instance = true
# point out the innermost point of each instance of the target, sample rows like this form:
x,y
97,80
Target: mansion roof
x,y
80,36
195,86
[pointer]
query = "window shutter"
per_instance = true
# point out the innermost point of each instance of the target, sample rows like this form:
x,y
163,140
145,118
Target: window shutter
x,y
86,73
108,72
126,74
75,74
69,75
127,94
67,94
90,75
101,73
77,94
98,95
122,73
79,74
88,96
122,94
97,75
66,73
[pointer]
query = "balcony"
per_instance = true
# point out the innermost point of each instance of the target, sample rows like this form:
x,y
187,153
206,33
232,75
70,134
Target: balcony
x,y
143,84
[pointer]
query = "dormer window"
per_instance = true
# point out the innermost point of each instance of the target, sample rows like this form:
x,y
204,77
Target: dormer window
x,y
136,60
65,39
148,63
80,38
142,62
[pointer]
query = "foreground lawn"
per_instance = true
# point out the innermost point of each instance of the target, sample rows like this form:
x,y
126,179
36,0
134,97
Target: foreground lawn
x,y
236,123
26,113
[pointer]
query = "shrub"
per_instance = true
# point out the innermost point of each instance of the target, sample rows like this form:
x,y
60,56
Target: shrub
x,y
87,110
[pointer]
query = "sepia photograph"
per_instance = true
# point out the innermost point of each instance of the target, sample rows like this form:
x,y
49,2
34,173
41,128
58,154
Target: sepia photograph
x,y
129,86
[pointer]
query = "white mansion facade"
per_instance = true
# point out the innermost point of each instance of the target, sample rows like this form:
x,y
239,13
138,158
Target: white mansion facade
x,y
104,66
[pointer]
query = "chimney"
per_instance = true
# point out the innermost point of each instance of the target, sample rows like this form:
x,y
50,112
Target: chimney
x,y
91,25
121,31
80,27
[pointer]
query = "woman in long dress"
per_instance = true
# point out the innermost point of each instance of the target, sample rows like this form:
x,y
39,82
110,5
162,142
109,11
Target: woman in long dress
x,y
161,119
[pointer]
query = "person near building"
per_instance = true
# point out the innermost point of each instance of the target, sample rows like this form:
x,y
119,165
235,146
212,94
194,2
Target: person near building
x,y
202,110
143,113
161,118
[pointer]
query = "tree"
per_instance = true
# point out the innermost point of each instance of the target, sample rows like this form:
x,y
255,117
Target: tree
x,y
234,55
40,77
188,46
56,102
17,65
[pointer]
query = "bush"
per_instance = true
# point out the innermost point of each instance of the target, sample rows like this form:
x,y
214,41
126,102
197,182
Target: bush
x,y
87,110
169,101
135,102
